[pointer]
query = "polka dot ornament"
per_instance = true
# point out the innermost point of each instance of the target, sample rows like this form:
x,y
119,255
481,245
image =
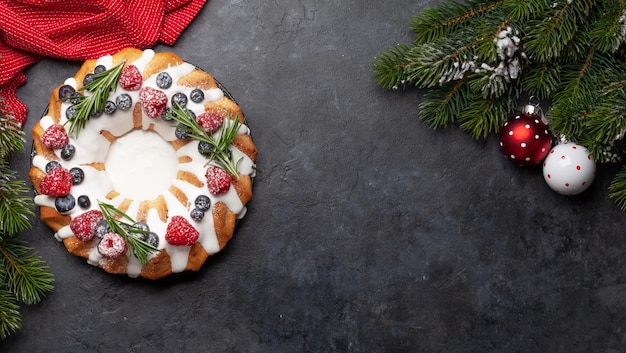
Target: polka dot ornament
x,y
569,169
525,138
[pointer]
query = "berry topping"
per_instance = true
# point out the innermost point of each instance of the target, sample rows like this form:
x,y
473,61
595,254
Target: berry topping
x,y
196,214
99,68
217,180
203,202
142,226
131,78
56,183
51,165
84,226
76,97
166,116
66,91
152,239
180,99
164,80
205,148
153,101
102,228
77,175
96,113
83,201
64,203
196,95
55,137
68,152
112,246
70,112
110,108
181,232
181,132
88,79
210,122
124,101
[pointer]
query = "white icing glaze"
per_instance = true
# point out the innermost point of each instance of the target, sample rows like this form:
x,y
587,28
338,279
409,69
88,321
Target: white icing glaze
x,y
141,165
93,147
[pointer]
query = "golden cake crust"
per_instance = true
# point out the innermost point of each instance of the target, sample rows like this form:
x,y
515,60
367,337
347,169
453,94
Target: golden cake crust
x,y
223,218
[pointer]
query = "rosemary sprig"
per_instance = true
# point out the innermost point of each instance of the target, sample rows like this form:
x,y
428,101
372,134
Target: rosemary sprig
x,y
116,220
103,83
220,155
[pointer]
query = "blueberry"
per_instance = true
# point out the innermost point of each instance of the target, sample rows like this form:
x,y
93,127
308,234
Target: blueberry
x,y
102,228
166,116
76,97
196,95
98,69
196,214
67,152
110,108
96,114
143,226
203,203
51,165
180,99
153,239
181,132
65,203
124,101
77,175
70,112
66,91
88,79
83,201
205,148
164,80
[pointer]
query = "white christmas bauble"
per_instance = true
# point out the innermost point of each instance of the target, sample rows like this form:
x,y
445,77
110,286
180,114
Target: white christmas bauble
x,y
569,169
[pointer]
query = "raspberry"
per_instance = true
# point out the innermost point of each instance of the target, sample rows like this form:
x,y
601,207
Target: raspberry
x,y
56,183
153,101
181,232
112,245
217,180
210,122
131,78
84,226
55,137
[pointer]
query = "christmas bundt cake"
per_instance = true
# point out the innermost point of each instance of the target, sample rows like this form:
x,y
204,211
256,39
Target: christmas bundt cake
x,y
142,164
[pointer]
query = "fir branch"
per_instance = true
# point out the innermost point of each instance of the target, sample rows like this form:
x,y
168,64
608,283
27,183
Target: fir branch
x,y
547,36
124,225
15,206
524,10
11,135
220,155
482,117
10,317
26,275
102,85
617,189
441,21
443,105
541,79
389,67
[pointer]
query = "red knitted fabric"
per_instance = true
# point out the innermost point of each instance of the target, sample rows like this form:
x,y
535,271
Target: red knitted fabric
x,y
79,30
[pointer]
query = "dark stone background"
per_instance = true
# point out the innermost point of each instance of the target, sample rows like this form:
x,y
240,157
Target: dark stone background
x,y
368,231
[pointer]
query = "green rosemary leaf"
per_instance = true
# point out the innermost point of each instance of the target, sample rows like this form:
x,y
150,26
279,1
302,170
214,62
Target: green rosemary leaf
x,y
102,85
220,155
116,221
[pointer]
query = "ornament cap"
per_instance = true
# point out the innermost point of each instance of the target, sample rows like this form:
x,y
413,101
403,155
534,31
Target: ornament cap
x,y
532,110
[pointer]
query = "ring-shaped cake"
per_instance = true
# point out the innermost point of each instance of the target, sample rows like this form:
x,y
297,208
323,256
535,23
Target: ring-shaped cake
x,y
152,180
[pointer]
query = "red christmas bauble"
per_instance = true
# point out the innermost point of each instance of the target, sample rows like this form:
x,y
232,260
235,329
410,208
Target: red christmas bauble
x,y
525,139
